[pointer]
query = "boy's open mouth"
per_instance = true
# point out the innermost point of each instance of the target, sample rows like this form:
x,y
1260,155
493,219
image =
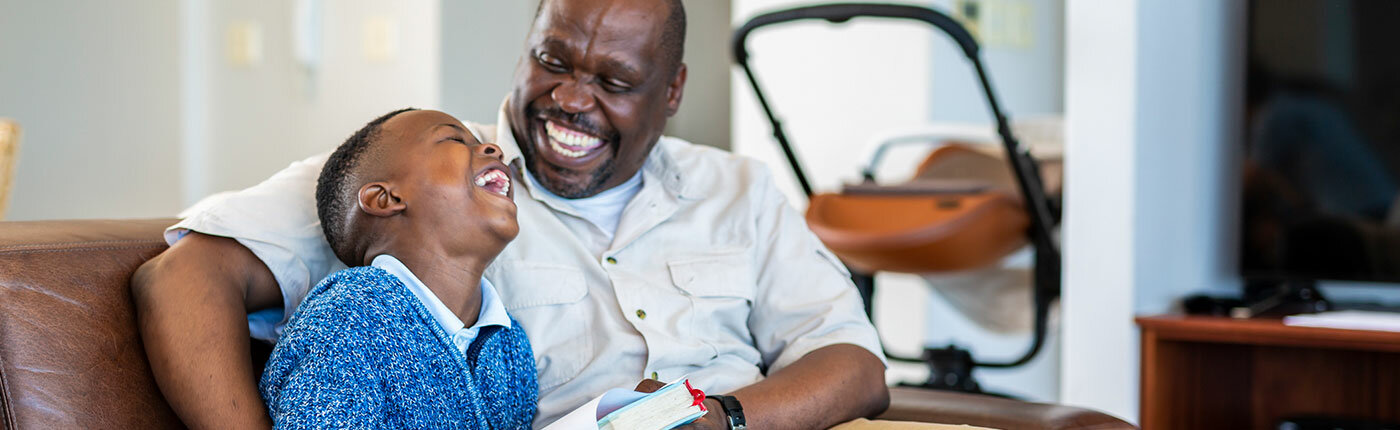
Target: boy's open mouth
x,y
494,180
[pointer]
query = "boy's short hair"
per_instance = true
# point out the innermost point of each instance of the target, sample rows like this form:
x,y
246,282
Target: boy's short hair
x,y
338,187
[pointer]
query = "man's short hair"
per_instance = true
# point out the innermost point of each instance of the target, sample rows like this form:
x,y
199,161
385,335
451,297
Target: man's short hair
x,y
338,187
672,35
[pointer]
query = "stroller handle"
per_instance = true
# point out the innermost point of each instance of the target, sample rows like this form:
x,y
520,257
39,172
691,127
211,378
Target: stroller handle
x,y
842,12
1044,217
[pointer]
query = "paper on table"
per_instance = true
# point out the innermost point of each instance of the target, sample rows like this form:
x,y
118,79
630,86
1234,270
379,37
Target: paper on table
x,y
1351,319
587,416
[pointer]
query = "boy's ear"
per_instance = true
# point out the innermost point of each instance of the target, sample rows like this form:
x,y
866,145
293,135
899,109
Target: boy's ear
x,y
379,199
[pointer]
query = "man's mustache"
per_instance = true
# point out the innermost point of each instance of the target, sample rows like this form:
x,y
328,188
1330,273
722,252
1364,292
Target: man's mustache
x,y
577,121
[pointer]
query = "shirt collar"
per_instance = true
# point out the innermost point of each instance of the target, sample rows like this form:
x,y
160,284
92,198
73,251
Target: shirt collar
x,y
493,312
659,168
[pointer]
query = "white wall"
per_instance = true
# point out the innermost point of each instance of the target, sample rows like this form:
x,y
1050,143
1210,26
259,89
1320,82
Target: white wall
x,y
1028,78
481,42
136,109
92,84
264,115
1154,117
1098,368
833,86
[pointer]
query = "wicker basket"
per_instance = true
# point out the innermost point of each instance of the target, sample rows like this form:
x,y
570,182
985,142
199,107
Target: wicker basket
x,y
9,150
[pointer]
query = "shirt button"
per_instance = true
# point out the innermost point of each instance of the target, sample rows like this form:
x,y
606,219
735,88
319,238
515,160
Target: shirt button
x,y
641,314
655,376
612,260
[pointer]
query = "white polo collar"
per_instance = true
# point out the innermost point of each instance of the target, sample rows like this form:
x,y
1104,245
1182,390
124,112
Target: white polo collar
x,y
493,311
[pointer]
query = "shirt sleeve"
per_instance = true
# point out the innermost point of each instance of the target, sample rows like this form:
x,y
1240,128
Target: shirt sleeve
x,y
805,298
277,221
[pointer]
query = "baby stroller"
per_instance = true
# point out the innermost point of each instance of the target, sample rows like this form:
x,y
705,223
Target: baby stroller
x,y
929,224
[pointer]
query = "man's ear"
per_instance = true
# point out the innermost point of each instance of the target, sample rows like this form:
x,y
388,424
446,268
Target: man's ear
x,y
674,91
380,199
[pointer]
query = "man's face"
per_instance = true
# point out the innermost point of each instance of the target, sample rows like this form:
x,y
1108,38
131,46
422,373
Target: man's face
x,y
592,93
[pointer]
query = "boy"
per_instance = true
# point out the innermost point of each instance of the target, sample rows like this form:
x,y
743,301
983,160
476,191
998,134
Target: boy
x,y
417,339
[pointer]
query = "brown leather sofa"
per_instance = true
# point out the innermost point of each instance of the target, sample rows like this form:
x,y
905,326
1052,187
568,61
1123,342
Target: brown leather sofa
x,y
71,356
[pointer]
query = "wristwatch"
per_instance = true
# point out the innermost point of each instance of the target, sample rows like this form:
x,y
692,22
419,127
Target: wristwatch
x,y
733,410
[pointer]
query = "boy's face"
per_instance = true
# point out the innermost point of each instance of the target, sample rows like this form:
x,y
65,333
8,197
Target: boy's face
x,y
449,182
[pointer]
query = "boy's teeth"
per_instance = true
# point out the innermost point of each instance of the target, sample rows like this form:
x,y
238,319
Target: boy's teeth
x,y
486,178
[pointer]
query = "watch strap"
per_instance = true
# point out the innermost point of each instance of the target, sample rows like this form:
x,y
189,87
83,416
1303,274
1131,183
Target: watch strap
x,y
733,411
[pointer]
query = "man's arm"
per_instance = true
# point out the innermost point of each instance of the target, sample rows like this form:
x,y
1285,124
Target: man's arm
x,y
192,303
829,386
826,387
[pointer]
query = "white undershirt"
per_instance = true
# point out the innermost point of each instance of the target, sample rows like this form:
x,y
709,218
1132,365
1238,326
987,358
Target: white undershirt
x,y
603,210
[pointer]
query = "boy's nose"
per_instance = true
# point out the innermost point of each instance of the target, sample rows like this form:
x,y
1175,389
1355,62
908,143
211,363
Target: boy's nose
x,y
491,150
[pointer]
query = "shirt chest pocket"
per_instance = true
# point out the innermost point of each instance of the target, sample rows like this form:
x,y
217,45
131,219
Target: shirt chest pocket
x,y
549,302
721,291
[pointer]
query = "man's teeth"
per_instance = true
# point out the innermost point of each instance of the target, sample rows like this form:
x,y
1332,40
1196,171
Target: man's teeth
x,y
565,151
569,143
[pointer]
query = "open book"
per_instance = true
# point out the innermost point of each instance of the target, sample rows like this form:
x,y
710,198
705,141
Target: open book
x,y
671,406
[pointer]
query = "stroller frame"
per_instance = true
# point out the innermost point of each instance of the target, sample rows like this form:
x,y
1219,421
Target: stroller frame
x,y
950,367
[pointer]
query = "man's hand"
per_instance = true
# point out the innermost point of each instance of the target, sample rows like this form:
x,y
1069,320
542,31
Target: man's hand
x,y
826,387
191,305
713,419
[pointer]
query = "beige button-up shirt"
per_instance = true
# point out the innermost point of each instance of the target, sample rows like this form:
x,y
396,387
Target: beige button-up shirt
x,y
710,273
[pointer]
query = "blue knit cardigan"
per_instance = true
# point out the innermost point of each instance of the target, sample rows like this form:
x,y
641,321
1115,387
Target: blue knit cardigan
x,y
363,352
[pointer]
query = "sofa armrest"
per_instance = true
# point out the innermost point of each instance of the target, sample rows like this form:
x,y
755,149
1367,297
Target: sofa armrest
x,y
946,407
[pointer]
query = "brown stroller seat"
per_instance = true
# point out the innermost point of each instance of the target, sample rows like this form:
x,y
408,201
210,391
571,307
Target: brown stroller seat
x,y
960,211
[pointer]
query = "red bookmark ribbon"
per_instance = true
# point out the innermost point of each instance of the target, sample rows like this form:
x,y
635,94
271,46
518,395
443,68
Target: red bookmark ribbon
x,y
699,396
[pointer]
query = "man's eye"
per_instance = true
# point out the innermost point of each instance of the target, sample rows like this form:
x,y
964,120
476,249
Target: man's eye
x,y
550,61
616,86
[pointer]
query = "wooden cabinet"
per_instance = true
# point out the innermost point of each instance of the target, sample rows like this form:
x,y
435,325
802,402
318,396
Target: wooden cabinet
x,y
1221,373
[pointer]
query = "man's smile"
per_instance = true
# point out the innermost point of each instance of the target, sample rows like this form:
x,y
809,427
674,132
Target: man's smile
x,y
569,145
570,142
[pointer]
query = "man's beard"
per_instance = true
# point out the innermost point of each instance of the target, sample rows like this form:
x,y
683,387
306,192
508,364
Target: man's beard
x,y
592,187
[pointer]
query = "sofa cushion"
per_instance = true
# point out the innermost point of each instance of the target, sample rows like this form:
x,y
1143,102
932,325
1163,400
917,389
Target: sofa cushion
x,y
70,353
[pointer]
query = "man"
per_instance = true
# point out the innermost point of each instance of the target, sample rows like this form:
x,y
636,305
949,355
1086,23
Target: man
x,y
639,257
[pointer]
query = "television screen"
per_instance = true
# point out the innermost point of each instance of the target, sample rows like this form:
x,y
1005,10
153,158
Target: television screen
x,y
1322,161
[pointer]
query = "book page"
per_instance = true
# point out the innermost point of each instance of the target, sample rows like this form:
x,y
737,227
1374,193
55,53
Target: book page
x,y
586,417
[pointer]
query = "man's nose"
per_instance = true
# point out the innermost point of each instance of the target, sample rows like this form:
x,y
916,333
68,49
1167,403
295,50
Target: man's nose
x,y
573,98
490,150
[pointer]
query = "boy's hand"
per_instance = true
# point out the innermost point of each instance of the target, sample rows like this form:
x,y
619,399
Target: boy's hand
x,y
714,419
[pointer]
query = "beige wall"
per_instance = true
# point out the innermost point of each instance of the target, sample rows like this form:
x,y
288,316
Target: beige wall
x,y
93,86
135,109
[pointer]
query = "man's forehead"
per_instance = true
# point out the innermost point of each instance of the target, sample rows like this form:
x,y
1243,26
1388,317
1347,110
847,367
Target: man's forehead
x,y
601,21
